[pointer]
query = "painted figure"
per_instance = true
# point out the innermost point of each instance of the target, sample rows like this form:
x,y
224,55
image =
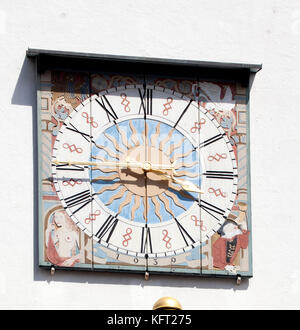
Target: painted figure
x,y
62,240
227,246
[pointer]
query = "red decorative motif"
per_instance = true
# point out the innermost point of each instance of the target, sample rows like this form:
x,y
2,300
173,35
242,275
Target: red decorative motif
x,y
71,182
198,125
72,148
198,223
127,237
166,239
217,192
92,217
125,102
167,106
89,120
217,157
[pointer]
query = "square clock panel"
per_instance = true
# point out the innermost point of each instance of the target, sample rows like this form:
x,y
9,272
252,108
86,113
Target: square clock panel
x,y
143,164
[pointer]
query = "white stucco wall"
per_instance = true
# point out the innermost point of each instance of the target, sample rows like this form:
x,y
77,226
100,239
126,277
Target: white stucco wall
x,y
257,31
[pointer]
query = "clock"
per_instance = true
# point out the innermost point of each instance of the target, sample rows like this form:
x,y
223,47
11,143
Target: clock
x,y
129,165
143,172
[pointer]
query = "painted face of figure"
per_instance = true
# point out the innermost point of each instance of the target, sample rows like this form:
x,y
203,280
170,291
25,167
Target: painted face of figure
x,y
59,219
230,230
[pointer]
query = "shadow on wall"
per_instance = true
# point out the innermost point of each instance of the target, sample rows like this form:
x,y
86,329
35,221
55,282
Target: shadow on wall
x,y
25,91
25,94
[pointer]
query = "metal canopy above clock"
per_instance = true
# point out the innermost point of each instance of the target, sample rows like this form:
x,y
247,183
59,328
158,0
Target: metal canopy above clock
x,y
143,164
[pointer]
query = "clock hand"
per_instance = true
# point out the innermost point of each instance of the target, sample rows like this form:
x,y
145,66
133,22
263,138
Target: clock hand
x,y
116,164
186,185
129,163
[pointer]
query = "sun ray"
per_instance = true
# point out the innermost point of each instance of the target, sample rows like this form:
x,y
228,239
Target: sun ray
x,y
145,209
106,178
186,173
110,187
183,164
166,203
104,170
108,151
154,136
175,199
157,207
117,196
145,135
174,147
115,143
99,158
166,140
183,193
136,205
134,137
175,157
123,137
125,202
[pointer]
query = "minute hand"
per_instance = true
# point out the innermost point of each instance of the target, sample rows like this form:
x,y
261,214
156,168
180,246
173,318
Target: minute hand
x,y
126,164
108,163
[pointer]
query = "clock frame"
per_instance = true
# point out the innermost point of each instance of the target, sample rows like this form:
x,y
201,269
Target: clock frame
x,y
151,111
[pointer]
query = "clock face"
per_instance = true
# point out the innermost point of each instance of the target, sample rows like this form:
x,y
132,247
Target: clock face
x,y
130,164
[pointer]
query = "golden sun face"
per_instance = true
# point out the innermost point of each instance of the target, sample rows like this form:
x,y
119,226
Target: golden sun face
x,y
140,194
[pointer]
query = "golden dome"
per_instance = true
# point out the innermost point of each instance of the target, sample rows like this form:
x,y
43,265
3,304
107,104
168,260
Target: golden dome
x,y
167,303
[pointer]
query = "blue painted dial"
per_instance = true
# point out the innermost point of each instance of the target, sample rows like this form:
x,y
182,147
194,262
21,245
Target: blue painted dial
x,y
139,195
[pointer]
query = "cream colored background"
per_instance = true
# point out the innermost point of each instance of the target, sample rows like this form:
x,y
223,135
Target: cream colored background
x,y
258,31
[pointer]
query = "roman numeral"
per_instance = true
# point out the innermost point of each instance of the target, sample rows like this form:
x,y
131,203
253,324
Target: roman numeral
x,y
183,112
146,240
149,101
220,175
108,227
211,209
185,235
66,167
146,104
82,199
86,136
104,104
211,140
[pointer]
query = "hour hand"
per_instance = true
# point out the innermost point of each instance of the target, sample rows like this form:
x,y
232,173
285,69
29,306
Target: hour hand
x,y
186,185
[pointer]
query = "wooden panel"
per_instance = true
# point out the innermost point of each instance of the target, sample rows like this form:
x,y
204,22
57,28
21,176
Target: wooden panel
x,y
227,189
175,242
63,244
118,231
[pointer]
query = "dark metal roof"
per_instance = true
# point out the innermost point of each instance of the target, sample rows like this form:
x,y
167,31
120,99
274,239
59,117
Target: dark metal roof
x,y
254,68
